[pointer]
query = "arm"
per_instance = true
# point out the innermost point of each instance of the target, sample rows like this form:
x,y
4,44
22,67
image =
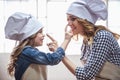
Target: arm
x,y
35,56
69,65
53,45
66,41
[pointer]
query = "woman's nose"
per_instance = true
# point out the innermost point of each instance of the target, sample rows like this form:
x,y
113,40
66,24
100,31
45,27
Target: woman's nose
x,y
69,23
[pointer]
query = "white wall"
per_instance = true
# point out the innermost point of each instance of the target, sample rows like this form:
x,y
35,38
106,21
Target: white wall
x,y
53,16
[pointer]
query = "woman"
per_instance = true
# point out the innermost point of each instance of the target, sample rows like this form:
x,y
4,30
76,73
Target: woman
x,y
27,62
100,49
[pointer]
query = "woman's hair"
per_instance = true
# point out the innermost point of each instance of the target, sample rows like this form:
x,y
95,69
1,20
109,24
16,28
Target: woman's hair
x,y
16,52
90,29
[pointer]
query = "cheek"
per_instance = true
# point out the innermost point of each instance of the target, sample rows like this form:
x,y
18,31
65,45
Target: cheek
x,y
79,28
38,41
76,29
75,32
38,38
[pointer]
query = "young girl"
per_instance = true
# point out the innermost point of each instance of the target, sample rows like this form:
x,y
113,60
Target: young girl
x,y
26,60
100,49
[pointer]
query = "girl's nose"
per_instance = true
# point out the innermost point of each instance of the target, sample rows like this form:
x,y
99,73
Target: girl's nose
x,y
43,35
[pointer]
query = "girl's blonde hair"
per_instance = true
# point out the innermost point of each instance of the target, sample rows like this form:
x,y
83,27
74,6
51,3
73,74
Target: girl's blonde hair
x,y
90,30
17,51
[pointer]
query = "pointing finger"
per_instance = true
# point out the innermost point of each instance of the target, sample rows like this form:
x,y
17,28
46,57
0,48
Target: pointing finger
x,y
50,37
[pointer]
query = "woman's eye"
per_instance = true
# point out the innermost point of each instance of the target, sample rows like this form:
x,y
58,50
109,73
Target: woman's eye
x,y
73,19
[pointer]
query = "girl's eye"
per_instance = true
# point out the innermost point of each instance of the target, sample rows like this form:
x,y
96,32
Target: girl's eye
x,y
40,31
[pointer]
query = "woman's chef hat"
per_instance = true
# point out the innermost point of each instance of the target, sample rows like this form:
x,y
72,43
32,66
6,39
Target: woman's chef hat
x,y
20,26
92,10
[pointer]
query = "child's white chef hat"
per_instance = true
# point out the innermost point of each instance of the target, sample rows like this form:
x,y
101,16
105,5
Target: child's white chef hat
x,y
20,26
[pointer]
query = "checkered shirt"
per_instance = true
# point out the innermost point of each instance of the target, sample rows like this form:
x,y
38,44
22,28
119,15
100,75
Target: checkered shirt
x,y
104,48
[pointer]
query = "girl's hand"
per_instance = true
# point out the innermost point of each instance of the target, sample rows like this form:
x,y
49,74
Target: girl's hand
x,y
52,45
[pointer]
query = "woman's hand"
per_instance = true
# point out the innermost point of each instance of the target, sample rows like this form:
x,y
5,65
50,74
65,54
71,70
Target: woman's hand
x,y
52,45
68,33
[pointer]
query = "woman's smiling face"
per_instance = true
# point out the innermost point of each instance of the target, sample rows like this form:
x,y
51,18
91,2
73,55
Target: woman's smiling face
x,y
75,26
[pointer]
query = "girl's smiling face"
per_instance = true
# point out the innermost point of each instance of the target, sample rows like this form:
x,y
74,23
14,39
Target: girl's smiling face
x,y
39,38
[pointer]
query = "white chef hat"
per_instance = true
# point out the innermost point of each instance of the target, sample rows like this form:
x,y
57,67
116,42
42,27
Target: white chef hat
x,y
92,10
20,26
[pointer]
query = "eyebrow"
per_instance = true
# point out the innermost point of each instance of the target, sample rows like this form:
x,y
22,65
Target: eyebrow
x,y
73,16
40,31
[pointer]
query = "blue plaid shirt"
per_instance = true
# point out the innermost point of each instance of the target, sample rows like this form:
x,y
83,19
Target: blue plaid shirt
x,y
104,48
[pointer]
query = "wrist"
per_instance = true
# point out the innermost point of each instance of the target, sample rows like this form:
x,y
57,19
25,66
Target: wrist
x,y
67,40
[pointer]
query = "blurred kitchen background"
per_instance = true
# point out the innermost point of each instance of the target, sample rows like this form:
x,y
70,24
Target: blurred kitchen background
x,y
52,13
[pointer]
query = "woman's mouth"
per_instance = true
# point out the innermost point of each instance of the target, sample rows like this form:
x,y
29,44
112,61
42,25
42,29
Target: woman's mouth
x,y
74,28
